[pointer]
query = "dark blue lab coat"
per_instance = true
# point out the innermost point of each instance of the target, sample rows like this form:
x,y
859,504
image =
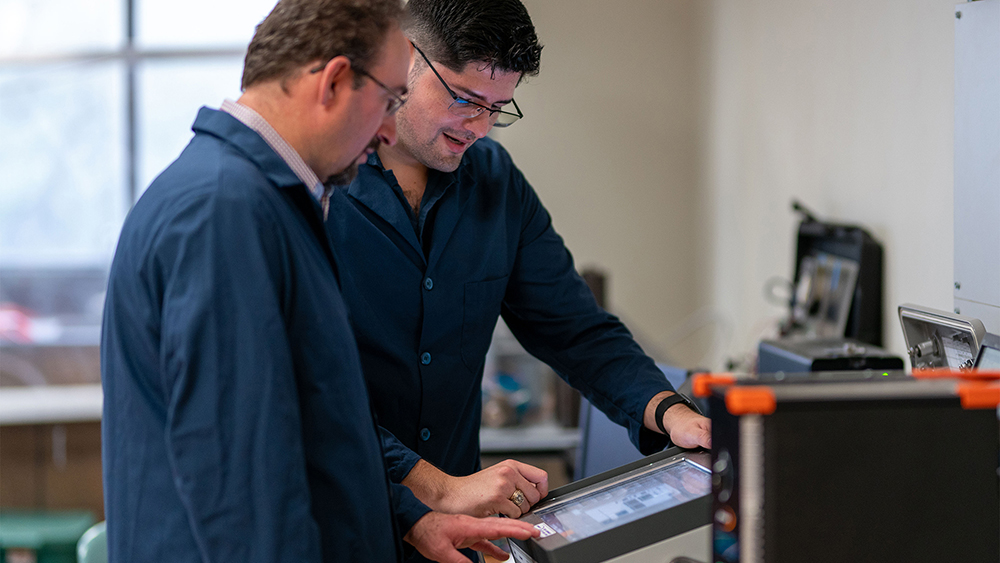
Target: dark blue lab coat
x,y
237,425
424,294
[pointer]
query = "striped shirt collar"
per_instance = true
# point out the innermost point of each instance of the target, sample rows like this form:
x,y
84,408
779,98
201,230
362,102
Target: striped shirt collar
x,y
254,121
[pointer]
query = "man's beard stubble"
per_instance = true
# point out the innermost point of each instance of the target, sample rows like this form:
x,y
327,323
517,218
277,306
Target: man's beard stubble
x,y
347,175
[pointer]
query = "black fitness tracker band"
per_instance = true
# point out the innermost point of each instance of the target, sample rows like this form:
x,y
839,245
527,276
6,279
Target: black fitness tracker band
x,y
666,404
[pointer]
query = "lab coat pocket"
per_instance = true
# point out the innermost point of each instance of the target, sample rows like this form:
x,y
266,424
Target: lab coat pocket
x,y
480,313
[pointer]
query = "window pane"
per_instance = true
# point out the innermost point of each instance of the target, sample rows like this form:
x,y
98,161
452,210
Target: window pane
x,y
170,92
57,26
198,23
62,151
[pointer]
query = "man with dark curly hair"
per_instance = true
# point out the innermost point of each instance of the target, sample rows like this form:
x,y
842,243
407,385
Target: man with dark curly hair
x,y
440,235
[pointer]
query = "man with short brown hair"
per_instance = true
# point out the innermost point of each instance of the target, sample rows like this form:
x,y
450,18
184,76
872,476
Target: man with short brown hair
x,y
237,424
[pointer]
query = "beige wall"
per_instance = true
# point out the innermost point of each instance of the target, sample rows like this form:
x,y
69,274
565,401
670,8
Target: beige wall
x,y
609,141
668,137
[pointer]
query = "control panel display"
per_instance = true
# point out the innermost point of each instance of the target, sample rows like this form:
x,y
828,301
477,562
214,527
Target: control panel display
x,y
628,500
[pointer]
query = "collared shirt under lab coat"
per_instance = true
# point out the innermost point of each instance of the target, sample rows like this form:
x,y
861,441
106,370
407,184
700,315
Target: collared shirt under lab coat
x,y
237,425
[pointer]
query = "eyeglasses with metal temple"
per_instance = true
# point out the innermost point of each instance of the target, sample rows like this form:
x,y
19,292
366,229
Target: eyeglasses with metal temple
x,y
395,101
467,108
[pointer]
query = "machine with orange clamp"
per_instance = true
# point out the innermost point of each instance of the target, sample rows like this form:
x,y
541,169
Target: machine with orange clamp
x,y
855,466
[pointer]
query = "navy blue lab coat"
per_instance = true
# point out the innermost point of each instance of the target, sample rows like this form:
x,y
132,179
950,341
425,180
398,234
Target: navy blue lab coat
x,y
424,294
237,425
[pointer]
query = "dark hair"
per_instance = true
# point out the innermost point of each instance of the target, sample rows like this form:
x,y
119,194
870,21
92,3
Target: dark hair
x,y
297,32
457,32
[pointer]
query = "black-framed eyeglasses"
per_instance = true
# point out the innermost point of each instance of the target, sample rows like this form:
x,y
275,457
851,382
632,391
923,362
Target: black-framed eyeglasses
x,y
467,108
395,100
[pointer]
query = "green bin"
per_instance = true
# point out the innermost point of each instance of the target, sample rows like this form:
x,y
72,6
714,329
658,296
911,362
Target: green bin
x,y
41,536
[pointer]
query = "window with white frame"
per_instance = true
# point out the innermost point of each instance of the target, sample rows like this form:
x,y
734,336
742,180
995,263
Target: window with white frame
x,y
96,98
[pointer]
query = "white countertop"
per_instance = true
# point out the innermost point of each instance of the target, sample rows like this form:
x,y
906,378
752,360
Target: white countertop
x,y
49,404
83,403
540,437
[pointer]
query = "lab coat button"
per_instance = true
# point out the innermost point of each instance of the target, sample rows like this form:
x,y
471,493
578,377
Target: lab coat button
x,y
425,434
428,284
425,358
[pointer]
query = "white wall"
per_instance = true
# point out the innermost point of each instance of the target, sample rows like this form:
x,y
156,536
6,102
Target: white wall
x,y
846,105
667,138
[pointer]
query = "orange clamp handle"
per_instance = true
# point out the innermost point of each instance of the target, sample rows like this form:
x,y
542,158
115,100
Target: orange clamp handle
x,y
702,383
751,399
978,395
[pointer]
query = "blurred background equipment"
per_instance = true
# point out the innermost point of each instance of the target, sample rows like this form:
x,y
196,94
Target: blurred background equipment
x,y
977,153
989,354
837,286
41,537
605,445
835,308
938,339
823,354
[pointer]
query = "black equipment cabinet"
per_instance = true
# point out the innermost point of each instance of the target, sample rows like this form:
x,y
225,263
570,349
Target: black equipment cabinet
x,y
858,467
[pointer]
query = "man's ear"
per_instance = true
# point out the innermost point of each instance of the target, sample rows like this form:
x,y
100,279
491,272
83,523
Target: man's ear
x,y
335,77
